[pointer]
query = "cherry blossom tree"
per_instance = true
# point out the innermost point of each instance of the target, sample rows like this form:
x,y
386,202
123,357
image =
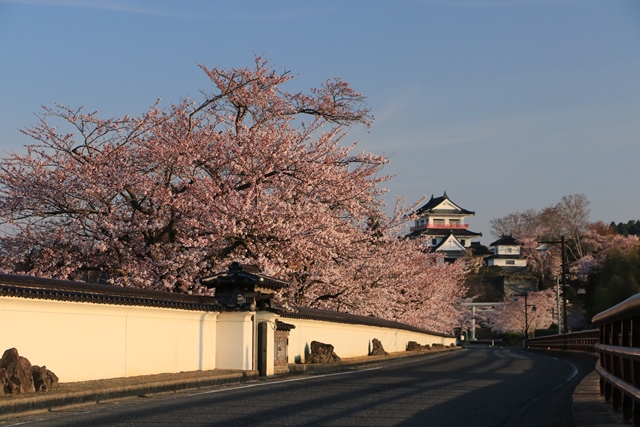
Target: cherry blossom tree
x,y
510,316
252,174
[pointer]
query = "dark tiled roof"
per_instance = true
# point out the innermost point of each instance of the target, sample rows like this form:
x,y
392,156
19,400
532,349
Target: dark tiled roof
x,y
505,241
338,317
447,212
242,275
430,206
458,232
281,326
66,290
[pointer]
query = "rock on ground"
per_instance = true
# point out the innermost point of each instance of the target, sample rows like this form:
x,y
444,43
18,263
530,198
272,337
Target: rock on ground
x,y
321,353
15,373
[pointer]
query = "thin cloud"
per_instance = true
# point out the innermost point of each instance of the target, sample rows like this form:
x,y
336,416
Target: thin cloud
x,y
142,8
486,3
110,5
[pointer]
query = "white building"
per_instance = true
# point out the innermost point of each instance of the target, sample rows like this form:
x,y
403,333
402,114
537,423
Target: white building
x,y
506,254
442,222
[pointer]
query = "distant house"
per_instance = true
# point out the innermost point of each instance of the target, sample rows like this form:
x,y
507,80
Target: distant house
x,y
506,254
442,222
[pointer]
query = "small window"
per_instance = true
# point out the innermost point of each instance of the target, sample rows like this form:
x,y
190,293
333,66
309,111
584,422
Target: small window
x,y
434,242
464,243
511,262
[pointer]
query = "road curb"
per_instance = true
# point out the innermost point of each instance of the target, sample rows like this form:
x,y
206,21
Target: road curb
x,y
11,405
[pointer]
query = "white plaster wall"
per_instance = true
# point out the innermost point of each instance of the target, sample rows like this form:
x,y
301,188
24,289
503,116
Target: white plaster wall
x,y
352,340
507,250
498,262
83,341
235,332
166,340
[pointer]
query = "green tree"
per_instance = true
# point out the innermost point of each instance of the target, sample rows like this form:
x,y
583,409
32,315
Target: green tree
x,y
631,228
616,280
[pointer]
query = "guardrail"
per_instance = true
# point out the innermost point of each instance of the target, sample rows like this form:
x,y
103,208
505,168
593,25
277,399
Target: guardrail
x,y
617,340
619,364
585,341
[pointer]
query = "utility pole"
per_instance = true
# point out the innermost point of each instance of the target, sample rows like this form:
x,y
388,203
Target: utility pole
x,y
561,242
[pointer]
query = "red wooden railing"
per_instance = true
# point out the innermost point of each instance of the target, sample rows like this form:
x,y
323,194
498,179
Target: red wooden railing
x,y
619,364
452,226
573,341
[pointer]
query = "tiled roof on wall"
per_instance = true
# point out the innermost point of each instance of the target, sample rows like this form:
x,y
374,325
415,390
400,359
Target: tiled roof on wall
x,y
339,317
66,290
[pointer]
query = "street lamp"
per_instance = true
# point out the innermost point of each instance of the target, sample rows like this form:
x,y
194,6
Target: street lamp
x,y
543,248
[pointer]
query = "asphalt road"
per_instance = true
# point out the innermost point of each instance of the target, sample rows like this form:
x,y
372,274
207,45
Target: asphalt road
x,y
475,387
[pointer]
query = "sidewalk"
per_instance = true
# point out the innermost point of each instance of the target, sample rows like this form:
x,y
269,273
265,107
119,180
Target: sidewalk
x,y
77,393
590,408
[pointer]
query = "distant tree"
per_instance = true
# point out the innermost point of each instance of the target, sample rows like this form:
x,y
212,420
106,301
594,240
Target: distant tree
x,y
480,250
614,275
619,228
631,228
569,218
517,224
252,174
574,221
602,229
602,258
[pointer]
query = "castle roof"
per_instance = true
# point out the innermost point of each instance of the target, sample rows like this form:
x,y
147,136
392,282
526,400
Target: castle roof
x,y
505,241
443,206
439,232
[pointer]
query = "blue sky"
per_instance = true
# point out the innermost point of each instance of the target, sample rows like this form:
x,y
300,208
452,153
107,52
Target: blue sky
x,y
506,105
